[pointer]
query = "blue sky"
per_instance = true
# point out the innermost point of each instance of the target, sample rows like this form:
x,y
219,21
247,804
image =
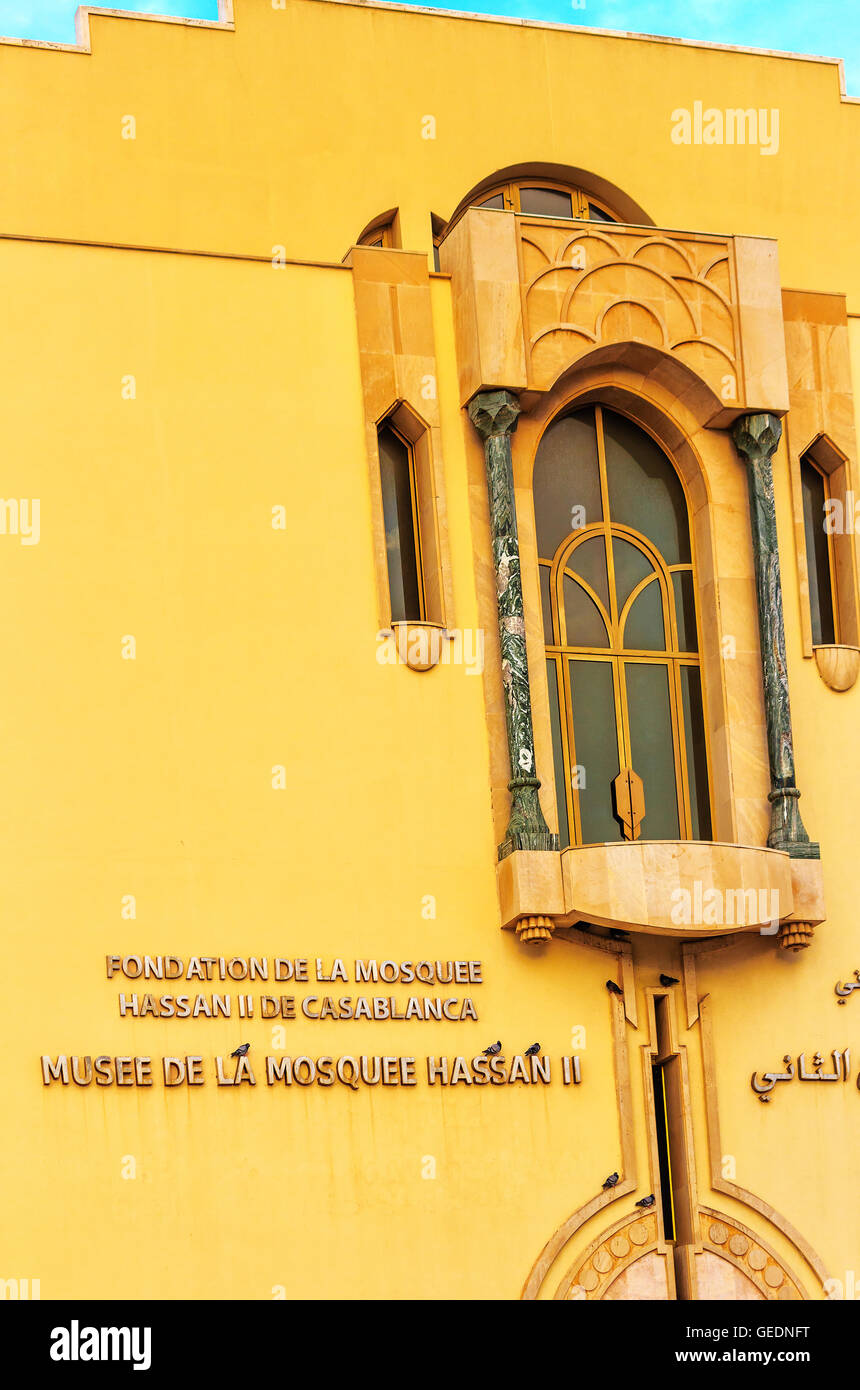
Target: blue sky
x,y
829,27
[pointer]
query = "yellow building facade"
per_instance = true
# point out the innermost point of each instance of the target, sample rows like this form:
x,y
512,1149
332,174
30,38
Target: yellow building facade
x,y
428,520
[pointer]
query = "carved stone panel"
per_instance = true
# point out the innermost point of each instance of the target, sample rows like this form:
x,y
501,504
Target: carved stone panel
x,y
588,285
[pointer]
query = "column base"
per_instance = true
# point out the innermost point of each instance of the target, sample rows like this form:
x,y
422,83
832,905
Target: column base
x,y
787,831
528,839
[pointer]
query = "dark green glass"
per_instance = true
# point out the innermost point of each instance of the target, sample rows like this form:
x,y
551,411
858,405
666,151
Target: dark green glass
x,y
597,214
817,555
593,704
566,475
585,627
685,610
401,542
545,604
545,202
644,630
497,200
557,752
651,746
645,492
589,561
631,566
697,757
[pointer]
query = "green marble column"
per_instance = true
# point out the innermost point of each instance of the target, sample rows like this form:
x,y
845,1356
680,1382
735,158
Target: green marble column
x,y
494,415
756,438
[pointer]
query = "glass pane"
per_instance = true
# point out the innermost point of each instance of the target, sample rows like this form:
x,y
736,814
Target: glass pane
x,y
644,630
817,554
558,753
545,202
697,760
589,561
685,611
631,566
645,492
566,476
400,540
585,627
598,215
496,201
596,741
651,746
545,605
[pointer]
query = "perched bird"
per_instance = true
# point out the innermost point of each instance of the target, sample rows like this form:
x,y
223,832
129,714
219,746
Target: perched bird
x,y
493,1050
647,1201
610,1181
667,980
242,1051
614,988
533,1050
617,935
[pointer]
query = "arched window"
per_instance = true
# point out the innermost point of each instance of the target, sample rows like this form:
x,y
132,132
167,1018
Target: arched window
x,y
820,557
384,230
544,198
400,513
620,627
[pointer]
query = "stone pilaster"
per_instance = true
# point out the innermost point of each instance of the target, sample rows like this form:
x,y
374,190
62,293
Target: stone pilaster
x,y
756,438
494,415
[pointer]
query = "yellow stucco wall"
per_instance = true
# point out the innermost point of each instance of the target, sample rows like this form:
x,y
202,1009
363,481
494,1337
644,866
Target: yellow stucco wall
x,y
257,647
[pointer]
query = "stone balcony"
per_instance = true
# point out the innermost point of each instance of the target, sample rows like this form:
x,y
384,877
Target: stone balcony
x,y
534,296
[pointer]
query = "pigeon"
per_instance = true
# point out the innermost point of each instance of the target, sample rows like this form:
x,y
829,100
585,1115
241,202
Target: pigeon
x,y
242,1051
667,980
610,1181
647,1201
533,1050
493,1050
614,988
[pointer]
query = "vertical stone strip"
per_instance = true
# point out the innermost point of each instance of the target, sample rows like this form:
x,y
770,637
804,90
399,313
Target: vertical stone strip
x,y
494,415
756,438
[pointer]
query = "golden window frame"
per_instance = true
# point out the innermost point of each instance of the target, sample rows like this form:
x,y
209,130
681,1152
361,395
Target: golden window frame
x,y
614,653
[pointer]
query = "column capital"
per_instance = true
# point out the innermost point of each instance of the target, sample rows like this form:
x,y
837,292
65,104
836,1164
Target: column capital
x,y
494,413
757,436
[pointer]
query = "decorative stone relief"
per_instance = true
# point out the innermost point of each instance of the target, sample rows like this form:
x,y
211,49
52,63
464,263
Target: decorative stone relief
x,y
586,286
740,1248
611,1257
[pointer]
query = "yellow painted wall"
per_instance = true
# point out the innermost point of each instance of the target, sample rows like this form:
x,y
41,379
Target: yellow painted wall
x,y
256,647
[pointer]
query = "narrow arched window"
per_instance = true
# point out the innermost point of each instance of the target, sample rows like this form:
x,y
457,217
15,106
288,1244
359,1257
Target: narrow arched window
x,y
621,635
402,538
820,559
